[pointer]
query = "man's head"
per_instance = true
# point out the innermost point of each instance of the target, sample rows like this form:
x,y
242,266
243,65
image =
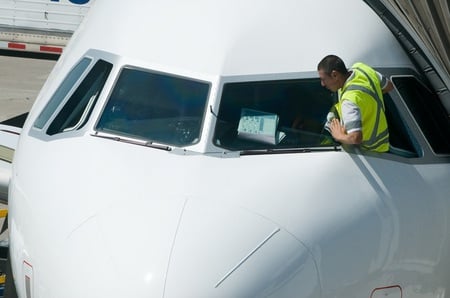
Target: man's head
x,y
332,72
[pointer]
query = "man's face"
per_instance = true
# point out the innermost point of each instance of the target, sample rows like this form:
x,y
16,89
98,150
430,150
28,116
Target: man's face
x,y
330,82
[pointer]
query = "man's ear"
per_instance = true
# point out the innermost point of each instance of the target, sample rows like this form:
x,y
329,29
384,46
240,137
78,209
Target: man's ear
x,y
334,74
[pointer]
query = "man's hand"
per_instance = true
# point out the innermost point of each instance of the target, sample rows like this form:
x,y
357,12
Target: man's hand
x,y
340,134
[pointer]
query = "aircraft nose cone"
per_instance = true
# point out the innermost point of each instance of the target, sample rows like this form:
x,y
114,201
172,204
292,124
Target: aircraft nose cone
x,y
185,248
123,251
227,251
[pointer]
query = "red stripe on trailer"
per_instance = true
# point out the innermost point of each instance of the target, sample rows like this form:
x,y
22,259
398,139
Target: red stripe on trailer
x,y
51,49
17,46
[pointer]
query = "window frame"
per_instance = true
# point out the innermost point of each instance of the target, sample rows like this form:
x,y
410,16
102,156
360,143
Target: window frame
x,y
423,150
62,93
423,153
154,72
71,108
416,107
288,78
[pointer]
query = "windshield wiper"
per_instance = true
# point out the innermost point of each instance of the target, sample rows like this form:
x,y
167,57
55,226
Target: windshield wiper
x,y
288,150
133,141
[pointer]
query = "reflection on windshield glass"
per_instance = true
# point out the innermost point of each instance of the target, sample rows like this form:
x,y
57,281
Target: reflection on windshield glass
x,y
156,107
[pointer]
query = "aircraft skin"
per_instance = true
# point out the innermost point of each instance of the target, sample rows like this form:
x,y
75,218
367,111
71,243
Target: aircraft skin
x,y
98,214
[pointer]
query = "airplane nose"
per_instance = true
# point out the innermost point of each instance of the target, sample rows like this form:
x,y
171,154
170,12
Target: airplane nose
x,y
226,251
183,248
127,248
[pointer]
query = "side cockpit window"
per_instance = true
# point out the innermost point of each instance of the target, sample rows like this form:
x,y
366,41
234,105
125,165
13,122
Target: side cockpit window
x,y
428,112
401,141
156,107
71,105
281,114
78,107
61,93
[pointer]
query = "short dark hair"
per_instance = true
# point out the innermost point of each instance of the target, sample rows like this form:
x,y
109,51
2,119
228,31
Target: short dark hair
x,y
330,63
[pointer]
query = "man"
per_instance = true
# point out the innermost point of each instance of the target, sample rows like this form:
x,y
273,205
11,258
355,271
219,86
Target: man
x,y
360,107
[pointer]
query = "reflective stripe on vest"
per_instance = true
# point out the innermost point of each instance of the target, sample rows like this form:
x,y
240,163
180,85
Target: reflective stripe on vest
x,y
378,140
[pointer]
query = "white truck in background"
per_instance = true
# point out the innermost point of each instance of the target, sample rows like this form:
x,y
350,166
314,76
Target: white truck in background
x,y
40,26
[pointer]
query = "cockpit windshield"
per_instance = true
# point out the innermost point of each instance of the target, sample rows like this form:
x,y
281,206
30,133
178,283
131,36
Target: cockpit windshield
x,y
156,107
281,114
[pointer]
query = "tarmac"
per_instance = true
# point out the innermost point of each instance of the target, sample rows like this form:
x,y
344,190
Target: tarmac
x,y
20,82
21,79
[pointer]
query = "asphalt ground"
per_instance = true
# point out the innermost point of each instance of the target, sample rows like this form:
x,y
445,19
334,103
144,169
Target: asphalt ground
x,y
21,79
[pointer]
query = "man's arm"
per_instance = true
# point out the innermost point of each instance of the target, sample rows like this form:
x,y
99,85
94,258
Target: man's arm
x,y
386,84
388,88
340,134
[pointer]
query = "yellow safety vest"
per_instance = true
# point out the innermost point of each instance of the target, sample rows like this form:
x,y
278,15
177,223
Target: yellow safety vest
x,y
364,90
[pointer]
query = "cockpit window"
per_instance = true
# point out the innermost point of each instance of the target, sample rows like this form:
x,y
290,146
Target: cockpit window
x,y
274,114
157,107
428,111
76,111
61,93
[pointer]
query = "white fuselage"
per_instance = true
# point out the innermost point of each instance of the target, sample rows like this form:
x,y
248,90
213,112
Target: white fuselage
x,y
95,216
